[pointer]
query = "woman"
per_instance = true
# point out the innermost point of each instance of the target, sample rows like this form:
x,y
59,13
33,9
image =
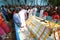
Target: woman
x,y
4,25
2,34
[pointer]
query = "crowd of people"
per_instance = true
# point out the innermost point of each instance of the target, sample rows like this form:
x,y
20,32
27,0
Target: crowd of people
x,y
19,14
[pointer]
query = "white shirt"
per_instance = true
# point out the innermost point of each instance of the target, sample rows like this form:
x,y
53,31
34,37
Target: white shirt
x,y
41,13
34,11
30,11
22,16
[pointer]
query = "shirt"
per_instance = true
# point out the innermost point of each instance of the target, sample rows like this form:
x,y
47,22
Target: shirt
x,y
4,12
16,18
22,16
55,17
45,13
41,13
34,11
30,11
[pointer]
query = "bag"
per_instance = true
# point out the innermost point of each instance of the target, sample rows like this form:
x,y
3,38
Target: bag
x,y
5,27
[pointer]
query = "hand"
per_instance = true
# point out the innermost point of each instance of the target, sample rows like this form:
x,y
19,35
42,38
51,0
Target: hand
x,y
22,26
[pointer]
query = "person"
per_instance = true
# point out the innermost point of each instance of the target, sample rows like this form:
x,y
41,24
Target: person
x,y
50,12
9,13
34,11
22,13
2,34
55,17
4,25
41,12
27,14
16,18
45,14
30,12
4,11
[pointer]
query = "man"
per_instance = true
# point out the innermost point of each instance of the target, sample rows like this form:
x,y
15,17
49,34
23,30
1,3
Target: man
x,y
34,11
4,11
41,12
16,18
30,11
22,14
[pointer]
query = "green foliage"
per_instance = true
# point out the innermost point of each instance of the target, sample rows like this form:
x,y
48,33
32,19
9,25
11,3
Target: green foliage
x,y
5,0
54,2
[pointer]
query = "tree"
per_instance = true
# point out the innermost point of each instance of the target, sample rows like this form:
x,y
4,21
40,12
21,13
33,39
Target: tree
x,y
5,0
54,2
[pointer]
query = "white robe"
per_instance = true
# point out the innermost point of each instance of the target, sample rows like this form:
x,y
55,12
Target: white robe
x,y
34,11
30,11
41,13
22,17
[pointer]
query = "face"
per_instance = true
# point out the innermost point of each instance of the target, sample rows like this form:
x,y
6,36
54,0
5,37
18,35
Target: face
x,y
0,14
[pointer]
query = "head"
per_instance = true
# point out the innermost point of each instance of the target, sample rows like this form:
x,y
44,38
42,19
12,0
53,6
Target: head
x,y
17,11
0,13
23,7
14,11
30,7
56,8
2,7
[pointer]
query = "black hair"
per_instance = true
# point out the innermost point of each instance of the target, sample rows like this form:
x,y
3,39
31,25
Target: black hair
x,y
13,10
2,6
17,11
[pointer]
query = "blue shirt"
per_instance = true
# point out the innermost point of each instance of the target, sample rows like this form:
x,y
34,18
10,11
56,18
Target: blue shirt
x,y
16,18
4,12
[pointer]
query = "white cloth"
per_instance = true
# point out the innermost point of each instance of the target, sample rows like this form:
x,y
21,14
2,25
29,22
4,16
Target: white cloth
x,y
22,16
34,11
30,11
41,13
